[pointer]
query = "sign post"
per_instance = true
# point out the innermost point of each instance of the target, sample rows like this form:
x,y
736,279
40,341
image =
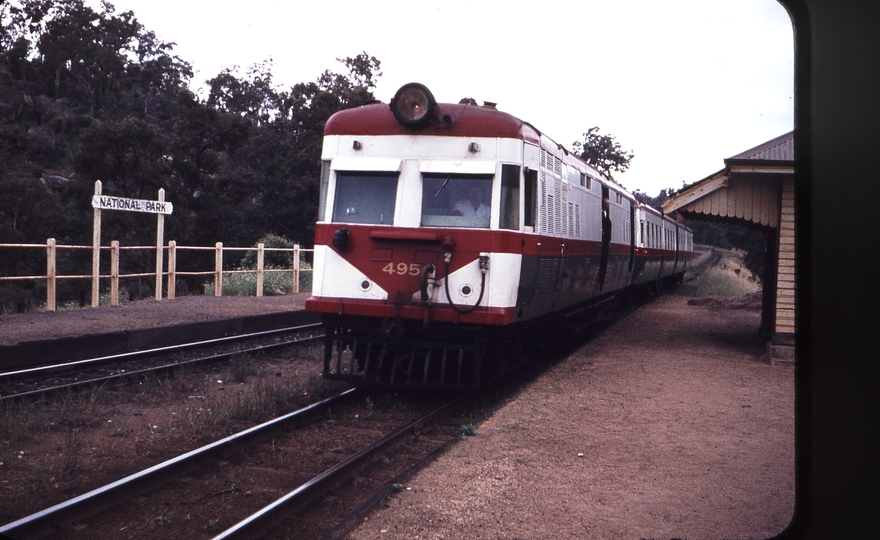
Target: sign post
x,y
96,247
160,233
101,202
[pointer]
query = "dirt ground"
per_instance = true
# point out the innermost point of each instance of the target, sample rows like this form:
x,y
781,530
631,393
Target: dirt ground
x,y
668,425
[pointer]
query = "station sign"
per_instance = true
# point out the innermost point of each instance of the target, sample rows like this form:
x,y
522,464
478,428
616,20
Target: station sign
x,y
102,202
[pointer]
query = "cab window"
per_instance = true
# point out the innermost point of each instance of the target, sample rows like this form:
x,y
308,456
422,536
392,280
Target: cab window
x,y
451,200
365,198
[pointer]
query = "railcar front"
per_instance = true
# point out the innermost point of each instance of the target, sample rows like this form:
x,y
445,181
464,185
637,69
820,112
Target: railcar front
x,y
418,247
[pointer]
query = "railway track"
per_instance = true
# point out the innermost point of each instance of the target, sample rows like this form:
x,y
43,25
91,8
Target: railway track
x,y
117,368
200,506
698,268
187,479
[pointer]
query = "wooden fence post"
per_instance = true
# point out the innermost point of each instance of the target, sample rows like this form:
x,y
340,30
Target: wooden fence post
x,y
114,273
50,274
218,269
261,257
296,268
172,269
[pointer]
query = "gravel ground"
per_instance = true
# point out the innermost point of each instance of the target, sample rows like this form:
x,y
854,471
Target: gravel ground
x,y
668,425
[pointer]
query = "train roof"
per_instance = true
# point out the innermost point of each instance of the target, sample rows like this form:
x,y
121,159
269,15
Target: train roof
x,y
453,120
450,120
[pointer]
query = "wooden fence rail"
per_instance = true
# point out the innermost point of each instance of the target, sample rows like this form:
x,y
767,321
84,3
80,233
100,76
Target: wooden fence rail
x,y
171,273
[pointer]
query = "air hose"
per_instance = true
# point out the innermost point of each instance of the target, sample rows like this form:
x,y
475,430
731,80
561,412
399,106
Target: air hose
x,y
484,268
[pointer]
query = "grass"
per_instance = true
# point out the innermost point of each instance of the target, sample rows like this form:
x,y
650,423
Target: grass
x,y
468,430
717,276
245,284
159,520
265,398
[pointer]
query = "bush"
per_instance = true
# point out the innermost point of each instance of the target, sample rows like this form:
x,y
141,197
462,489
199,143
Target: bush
x,y
245,284
275,259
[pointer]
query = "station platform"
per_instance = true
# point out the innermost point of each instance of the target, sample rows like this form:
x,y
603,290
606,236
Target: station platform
x,y
43,337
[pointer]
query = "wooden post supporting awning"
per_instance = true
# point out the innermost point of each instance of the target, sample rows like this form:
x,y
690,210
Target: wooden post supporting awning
x,y
756,189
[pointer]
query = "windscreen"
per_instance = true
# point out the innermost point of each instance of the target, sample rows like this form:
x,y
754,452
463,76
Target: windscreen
x,y
365,198
450,200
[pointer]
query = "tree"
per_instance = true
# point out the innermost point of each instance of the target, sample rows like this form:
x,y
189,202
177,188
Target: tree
x,y
90,57
268,180
654,202
251,96
602,152
87,93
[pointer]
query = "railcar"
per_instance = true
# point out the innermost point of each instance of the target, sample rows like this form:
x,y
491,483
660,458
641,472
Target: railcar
x,y
449,234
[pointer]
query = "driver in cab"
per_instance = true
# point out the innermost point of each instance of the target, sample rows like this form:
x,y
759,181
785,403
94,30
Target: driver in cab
x,y
473,205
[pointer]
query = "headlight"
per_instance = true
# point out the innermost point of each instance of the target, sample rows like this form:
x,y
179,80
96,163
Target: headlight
x,y
413,104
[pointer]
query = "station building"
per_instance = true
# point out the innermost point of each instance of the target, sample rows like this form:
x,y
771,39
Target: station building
x,y
756,189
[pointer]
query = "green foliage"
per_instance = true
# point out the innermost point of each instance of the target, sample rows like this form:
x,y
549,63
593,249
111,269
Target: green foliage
x,y
274,259
235,284
602,152
245,284
714,274
88,93
732,236
160,520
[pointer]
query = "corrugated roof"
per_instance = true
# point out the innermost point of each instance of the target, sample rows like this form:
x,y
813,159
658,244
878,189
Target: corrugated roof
x,y
779,149
771,158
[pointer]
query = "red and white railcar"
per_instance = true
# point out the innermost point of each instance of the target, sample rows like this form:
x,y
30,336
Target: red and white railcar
x,y
445,230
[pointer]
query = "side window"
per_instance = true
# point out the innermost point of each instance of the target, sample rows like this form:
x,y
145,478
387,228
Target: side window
x,y
365,198
531,198
456,200
325,182
509,197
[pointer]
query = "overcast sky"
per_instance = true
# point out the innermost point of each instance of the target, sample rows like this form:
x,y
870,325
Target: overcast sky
x,y
682,83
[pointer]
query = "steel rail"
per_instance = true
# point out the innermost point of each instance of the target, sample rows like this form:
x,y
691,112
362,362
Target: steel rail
x,y
156,369
252,525
356,516
12,375
44,522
